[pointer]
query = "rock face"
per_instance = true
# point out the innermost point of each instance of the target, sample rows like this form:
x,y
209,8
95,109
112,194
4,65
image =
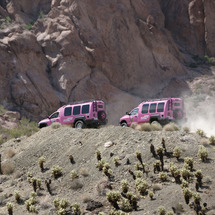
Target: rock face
x,y
120,51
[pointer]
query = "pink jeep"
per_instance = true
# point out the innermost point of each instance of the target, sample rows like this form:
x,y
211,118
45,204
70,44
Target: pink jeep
x,y
160,110
79,114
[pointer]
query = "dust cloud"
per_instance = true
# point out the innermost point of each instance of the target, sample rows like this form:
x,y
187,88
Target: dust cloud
x,y
200,112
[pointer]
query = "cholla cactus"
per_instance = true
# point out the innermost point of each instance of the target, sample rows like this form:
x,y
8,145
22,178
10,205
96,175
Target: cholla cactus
x,y
177,152
61,211
200,132
132,199
73,174
199,176
212,140
161,210
187,195
126,206
61,203
33,209
151,194
101,164
203,153
56,171
141,186
184,184
17,196
170,213
98,155
185,173
139,156
163,176
113,197
189,161
197,198
175,172
10,208
41,163
139,174
116,161
124,186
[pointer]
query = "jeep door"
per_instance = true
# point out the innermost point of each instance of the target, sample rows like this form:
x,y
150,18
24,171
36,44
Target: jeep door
x,y
54,117
144,114
133,116
67,117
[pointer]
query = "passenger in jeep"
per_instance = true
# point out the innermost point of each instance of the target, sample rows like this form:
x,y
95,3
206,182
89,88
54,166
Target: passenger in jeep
x,y
79,115
156,110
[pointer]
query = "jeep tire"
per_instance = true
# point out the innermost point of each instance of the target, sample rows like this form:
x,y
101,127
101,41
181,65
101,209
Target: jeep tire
x,y
79,124
124,124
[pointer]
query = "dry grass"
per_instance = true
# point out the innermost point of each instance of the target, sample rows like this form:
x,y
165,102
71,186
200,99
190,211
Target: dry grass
x,y
171,127
156,127
56,125
10,153
204,142
86,198
83,172
76,184
133,125
8,168
186,129
144,127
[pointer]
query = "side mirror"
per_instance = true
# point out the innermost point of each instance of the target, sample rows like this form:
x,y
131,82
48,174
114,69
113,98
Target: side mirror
x,y
127,113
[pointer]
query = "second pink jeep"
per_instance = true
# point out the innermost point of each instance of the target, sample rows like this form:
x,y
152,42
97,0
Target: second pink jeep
x,y
159,110
79,115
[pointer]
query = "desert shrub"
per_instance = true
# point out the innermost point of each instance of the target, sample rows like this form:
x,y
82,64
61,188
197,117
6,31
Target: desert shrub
x,y
171,127
133,125
10,153
8,168
56,171
161,210
145,127
212,140
84,172
200,132
204,142
203,153
156,127
163,176
55,125
141,186
209,60
86,198
113,197
124,185
73,174
186,129
189,161
10,208
76,184
170,213
177,152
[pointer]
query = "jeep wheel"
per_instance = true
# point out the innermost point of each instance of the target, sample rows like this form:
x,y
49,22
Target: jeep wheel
x,y
42,125
79,124
124,124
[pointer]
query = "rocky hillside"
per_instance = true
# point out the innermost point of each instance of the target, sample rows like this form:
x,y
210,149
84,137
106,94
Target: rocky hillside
x,y
59,51
74,152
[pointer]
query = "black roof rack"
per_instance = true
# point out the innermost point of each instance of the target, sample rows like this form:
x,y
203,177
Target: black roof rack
x,y
84,101
151,100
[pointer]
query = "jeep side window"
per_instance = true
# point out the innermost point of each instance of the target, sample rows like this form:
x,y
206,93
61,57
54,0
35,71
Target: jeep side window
x,y
54,115
85,109
145,108
68,111
76,110
152,108
134,112
160,107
